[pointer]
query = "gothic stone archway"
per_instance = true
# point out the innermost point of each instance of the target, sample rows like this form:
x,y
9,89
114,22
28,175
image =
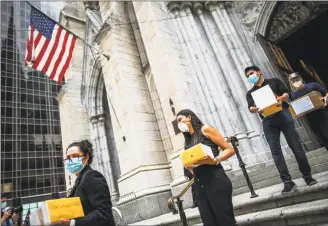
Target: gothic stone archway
x,y
106,156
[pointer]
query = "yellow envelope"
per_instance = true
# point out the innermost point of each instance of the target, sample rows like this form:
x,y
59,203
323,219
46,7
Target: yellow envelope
x,y
54,210
68,208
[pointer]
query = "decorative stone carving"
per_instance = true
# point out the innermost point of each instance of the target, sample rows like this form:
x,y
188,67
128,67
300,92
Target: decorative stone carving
x,y
287,16
210,5
93,5
250,13
197,6
173,6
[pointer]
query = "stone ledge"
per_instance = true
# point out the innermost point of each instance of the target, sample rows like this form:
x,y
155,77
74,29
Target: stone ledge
x,y
144,168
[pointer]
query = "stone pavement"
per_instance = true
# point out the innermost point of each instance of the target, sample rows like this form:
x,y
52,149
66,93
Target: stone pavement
x,y
270,208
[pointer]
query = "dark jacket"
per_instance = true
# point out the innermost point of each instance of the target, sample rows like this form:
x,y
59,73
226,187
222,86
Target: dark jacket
x,y
92,188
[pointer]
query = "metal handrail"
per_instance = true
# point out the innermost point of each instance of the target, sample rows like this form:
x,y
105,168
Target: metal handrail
x,y
171,205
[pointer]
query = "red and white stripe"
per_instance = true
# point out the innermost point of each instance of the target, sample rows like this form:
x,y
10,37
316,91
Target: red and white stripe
x,y
53,56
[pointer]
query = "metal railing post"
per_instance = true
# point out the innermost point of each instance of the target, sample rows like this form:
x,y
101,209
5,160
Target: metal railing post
x,y
234,141
182,212
171,205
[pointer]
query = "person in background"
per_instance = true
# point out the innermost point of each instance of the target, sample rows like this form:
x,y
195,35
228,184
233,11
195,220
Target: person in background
x,y
90,186
9,218
213,188
318,120
189,176
279,122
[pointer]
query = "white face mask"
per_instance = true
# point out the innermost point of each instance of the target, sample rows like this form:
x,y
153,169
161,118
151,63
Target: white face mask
x,y
183,127
298,84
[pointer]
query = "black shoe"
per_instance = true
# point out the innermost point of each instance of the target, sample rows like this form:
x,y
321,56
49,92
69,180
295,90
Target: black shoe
x,y
194,205
310,181
288,187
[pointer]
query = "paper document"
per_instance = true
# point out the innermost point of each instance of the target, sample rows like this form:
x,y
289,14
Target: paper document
x,y
264,97
302,105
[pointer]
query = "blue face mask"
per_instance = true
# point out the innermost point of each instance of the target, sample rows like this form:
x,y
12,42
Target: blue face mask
x,y
74,165
3,205
253,78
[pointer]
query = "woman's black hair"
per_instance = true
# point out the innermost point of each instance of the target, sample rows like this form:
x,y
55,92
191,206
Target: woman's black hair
x,y
86,148
195,122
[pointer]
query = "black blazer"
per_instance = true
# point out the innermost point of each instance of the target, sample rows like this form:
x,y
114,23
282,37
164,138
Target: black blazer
x,y
92,188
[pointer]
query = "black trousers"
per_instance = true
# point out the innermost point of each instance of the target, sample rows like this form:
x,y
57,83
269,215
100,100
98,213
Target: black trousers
x,y
318,121
272,127
213,191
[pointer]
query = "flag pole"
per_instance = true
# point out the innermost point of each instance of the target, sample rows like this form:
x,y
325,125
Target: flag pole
x,y
78,37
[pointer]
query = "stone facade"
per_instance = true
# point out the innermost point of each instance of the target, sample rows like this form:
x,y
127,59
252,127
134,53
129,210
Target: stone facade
x,y
164,57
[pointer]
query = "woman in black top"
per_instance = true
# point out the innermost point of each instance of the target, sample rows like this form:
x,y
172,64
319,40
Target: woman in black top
x,y
213,188
90,186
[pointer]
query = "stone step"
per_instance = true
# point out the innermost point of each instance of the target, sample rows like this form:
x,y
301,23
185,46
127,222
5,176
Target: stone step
x,y
317,165
304,193
309,213
269,199
270,176
256,169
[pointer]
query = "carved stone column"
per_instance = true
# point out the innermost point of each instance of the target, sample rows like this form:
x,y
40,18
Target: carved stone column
x,y
93,135
101,154
237,40
211,72
175,8
229,72
90,8
106,158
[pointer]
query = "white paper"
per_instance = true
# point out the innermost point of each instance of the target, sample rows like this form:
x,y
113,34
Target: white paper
x,y
40,216
264,97
207,150
302,105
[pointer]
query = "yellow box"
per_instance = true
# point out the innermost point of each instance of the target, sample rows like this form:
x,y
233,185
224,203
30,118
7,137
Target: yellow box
x,y
306,104
54,210
198,152
271,109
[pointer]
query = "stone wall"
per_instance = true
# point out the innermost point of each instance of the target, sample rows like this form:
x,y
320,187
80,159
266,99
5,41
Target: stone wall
x,y
73,115
145,170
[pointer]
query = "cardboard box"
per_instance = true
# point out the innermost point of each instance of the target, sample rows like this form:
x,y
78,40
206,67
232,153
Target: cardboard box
x,y
306,104
57,209
266,101
198,152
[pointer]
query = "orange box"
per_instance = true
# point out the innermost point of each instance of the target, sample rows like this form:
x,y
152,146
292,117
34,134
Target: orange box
x,y
306,104
272,109
198,152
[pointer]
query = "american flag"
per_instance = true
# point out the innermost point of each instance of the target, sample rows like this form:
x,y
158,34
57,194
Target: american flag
x,y
49,46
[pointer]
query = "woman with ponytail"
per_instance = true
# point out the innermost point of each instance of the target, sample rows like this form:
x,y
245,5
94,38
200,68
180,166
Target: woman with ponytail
x,y
213,188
